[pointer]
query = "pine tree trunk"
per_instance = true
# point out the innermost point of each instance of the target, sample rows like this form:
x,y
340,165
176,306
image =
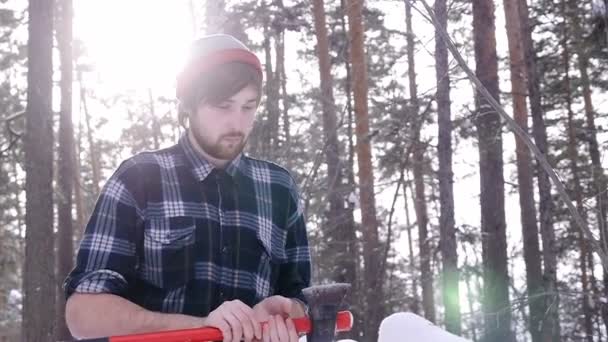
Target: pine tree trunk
x,y
371,250
78,198
424,245
449,254
545,206
193,19
495,303
276,89
155,124
532,256
578,197
357,297
349,101
599,178
415,305
338,229
39,269
18,207
470,301
269,132
93,155
280,47
65,231
215,16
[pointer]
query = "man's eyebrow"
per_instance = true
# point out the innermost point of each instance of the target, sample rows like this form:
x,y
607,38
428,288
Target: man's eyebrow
x,y
248,101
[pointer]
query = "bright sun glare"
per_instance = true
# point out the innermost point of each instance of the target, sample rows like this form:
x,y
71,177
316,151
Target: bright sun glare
x,y
134,44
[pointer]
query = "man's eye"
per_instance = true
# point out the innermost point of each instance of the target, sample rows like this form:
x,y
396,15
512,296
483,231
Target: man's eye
x,y
248,108
222,106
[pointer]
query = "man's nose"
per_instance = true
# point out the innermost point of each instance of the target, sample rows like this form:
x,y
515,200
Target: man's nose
x,y
235,123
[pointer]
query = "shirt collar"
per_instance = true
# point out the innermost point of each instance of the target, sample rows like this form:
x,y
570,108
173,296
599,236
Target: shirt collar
x,y
201,167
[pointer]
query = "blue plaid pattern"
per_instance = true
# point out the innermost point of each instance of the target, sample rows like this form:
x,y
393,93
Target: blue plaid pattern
x,y
173,234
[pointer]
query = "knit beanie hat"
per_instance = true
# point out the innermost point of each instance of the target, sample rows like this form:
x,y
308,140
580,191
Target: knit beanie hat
x,y
209,52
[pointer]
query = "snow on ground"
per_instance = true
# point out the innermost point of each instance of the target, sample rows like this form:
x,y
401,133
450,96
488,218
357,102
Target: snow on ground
x,y
406,326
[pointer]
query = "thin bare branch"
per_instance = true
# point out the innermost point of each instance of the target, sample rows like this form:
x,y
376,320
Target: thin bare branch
x,y
513,126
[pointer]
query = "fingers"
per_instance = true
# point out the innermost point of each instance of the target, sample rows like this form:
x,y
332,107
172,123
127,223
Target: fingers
x,y
281,329
285,304
236,321
225,329
246,325
272,327
277,329
266,332
275,305
291,329
235,325
250,325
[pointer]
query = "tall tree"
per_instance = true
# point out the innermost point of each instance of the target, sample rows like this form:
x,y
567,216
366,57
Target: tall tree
x,y
577,193
449,254
282,77
545,205
78,195
351,239
495,303
39,275
419,149
79,188
156,133
65,170
349,98
525,182
599,178
271,89
338,228
373,280
94,153
215,16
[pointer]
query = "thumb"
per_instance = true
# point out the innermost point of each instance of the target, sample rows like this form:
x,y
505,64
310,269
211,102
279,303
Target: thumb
x,y
286,305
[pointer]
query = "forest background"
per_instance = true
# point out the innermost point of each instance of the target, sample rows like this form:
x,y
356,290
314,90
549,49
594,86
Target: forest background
x,y
415,190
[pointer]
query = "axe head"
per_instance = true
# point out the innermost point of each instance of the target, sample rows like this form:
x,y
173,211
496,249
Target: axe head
x,y
324,301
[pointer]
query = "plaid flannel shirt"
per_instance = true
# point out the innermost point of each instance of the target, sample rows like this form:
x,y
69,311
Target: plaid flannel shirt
x,y
173,234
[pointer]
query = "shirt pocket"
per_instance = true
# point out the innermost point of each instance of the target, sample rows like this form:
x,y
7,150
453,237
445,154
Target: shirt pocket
x,y
169,251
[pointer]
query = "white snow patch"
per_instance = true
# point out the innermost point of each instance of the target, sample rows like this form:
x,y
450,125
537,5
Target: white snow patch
x,y
15,295
405,326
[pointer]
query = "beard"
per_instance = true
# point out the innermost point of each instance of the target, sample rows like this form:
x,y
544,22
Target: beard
x,y
225,147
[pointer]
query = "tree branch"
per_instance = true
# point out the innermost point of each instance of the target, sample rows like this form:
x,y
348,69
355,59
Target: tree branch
x,y
14,136
515,128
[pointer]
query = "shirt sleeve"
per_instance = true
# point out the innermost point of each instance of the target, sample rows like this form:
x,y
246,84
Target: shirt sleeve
x,y
295,273
106,260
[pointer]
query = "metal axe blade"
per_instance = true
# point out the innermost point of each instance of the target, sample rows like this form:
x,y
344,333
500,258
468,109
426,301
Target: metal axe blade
x,y
324,302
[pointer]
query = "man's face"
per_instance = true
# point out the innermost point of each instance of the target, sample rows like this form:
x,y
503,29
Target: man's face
x,y
221,130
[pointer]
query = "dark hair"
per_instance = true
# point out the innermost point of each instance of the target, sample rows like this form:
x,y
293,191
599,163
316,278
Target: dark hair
x,y
218,85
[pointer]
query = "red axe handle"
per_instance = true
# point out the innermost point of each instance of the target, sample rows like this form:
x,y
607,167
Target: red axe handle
x,y
344,322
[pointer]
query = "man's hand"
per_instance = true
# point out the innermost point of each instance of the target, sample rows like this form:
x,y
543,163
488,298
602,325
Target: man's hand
x,y
278,305
279,329
236,320
278,311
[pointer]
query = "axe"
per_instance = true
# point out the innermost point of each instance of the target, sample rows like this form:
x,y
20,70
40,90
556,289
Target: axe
x,y
321,326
